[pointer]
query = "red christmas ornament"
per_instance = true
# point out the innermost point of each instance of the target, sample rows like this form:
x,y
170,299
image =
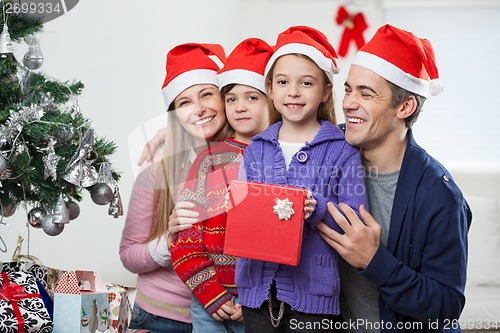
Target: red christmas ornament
x,y
354,25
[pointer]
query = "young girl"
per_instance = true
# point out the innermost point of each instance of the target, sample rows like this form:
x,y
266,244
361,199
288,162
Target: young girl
x,y
302,148
163,303
197,253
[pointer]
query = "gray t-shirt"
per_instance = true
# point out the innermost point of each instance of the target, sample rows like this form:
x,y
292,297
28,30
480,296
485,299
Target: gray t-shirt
x,y
359,297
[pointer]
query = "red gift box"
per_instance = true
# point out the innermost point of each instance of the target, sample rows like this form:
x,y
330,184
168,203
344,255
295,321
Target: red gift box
x,y
265,222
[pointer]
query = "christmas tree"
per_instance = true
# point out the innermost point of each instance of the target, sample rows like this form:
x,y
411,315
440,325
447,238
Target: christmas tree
x,y
49,152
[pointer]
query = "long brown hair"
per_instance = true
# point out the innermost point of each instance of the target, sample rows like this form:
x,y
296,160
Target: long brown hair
x,y
326,110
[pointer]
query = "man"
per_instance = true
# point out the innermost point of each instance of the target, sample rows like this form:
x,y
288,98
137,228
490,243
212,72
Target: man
x,y
404,268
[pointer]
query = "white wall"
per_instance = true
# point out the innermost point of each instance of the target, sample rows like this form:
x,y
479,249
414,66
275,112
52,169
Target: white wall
x,y
117,49
458,126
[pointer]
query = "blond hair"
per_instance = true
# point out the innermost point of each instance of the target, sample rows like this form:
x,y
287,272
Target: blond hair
x,y
172,172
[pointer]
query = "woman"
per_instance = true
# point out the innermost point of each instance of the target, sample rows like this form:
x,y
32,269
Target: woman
x,y
195,116
199,251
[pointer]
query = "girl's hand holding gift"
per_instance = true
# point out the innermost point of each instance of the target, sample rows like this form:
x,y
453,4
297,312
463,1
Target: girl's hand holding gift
x,y
309,205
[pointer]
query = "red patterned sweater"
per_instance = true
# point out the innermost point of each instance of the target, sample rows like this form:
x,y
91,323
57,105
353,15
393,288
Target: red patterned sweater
x,y
197,252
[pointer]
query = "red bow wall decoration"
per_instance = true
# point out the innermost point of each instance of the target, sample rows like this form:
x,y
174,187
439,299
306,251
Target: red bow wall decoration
x,y
354,25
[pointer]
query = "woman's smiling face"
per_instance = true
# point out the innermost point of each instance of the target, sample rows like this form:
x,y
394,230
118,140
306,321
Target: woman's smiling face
x,y
200,110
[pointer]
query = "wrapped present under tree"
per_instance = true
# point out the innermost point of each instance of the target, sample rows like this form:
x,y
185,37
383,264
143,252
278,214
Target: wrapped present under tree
x,y
22,309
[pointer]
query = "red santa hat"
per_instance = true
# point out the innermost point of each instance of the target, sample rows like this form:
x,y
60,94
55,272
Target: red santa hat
x,y
190,64
403,59
310,42
246,64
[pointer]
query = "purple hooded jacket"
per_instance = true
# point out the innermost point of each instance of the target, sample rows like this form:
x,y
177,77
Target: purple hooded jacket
x,y
332,170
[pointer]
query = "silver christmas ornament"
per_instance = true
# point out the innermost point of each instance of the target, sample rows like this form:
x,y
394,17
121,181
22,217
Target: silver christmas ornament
x,y
51,228
101,194
83,175
64,136
35,217
7,209
75,109
50,161
23,75
74,209
33,59
116,206
105,175
6,174
15,122
80,171
5,42
60,214
3,164
33,38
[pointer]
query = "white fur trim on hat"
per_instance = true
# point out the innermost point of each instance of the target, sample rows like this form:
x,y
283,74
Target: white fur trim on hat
x,y
325,63
392,73
186,80
242,76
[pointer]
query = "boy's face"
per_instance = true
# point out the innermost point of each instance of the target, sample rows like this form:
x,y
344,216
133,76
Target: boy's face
x,y
246,111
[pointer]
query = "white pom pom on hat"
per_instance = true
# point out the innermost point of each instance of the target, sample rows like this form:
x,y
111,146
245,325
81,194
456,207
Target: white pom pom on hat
x,y
436,86
403,59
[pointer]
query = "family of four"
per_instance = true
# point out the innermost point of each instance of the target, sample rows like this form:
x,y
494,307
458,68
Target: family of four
x,y
385,235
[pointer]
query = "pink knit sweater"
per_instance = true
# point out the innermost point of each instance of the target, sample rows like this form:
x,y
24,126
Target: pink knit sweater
x,y
159,289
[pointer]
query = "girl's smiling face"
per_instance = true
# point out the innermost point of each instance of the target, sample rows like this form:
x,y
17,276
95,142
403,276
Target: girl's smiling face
x,y
298,88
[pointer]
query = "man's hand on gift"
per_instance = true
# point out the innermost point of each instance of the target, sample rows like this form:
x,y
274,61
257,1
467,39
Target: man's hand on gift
x,y
309,205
